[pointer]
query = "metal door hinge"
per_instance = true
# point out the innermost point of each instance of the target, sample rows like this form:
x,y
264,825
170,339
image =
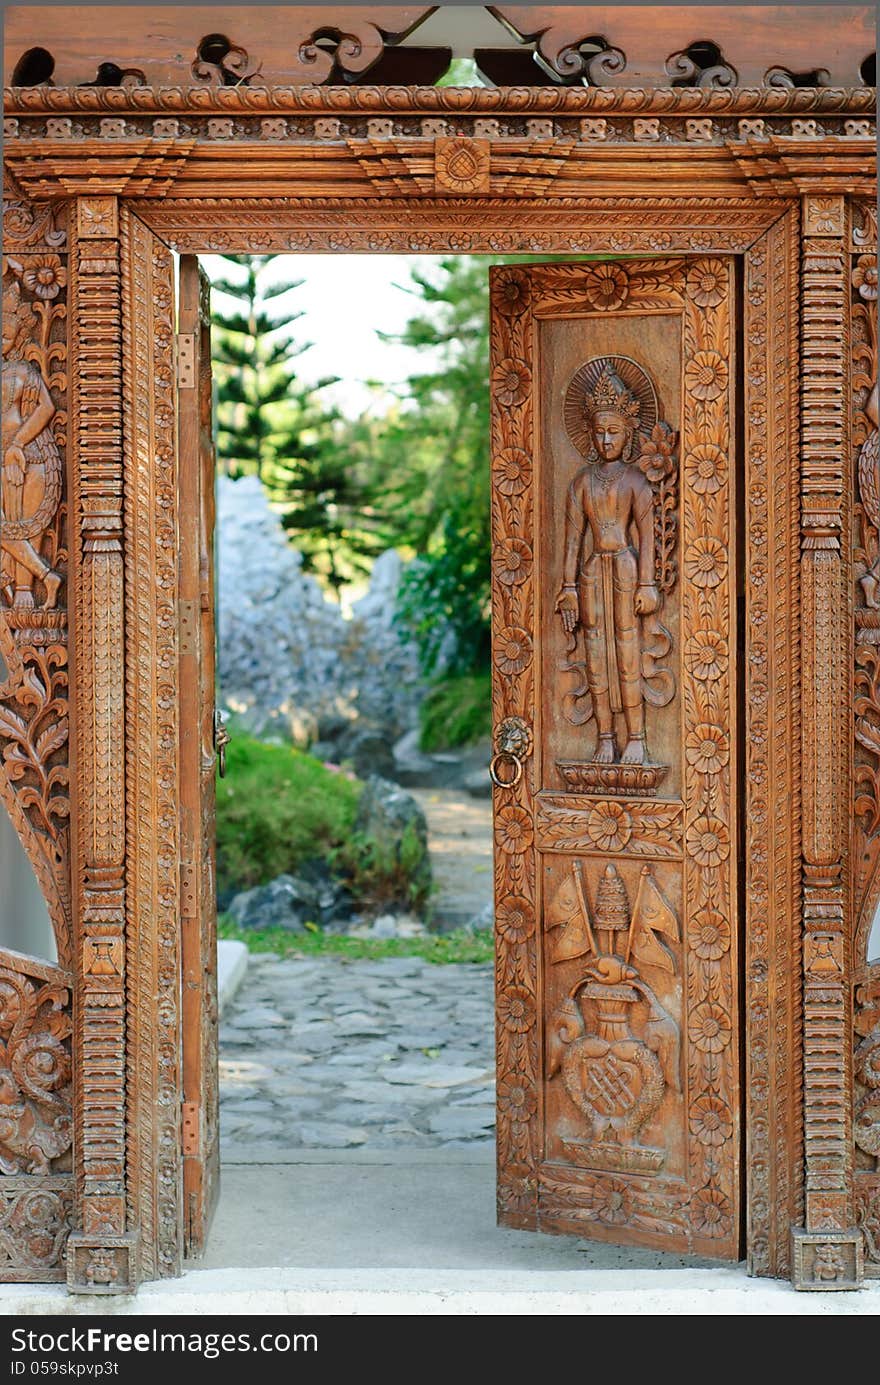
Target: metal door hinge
x,y
186,360
190,1127
188,909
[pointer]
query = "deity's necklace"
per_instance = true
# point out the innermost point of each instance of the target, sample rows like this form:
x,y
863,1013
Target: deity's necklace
x,y
607,473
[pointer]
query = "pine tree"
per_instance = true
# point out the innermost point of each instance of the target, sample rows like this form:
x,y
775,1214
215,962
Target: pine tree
x,y
310,460
435,462
254,362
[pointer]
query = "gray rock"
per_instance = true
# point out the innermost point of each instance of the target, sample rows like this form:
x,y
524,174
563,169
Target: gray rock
x,y
291,663
287,902
484,921
433,1074
367,749
478,784
256,1017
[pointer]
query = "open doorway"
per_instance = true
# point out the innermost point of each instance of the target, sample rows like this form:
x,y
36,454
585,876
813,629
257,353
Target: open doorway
x,y
354,839
618,429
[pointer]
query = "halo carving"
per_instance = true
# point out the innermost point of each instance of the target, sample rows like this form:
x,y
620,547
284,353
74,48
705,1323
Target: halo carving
x,y
582,385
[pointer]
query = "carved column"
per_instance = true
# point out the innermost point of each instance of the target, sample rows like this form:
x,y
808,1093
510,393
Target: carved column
x,y
101,1254
827,1252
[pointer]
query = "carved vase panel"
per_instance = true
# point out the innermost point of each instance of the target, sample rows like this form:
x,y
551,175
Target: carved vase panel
x,y
613,409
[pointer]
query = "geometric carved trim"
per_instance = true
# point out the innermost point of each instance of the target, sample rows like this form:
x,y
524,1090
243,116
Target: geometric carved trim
x,y
826,677
100,1035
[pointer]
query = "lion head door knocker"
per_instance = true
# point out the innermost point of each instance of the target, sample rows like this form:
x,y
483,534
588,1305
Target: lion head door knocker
x,y
616,1046
619,544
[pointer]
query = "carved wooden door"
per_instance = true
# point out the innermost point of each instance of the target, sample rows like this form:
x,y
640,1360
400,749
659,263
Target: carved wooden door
x,y
197,755
615,709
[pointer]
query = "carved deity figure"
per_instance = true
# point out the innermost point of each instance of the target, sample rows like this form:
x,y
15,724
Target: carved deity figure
x,y
609,582
31,469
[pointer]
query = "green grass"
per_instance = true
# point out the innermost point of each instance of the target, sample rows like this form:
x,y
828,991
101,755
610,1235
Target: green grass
x,y
433,947
276,809
457,712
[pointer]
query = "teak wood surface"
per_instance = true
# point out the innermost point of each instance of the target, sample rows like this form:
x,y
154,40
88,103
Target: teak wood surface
x,y
734,226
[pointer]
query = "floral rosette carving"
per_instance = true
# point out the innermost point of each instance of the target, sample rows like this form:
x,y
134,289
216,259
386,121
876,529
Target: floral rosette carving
x,y
513,698
706,601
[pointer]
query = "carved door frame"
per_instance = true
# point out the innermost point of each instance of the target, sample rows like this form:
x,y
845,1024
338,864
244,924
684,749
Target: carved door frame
x,y
783,186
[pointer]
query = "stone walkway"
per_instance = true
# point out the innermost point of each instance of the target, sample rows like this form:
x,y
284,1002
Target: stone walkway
x,y
332,1053
460,845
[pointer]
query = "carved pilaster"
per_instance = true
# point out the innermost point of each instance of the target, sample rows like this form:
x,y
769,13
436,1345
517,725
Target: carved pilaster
x,y
825,629
100,1255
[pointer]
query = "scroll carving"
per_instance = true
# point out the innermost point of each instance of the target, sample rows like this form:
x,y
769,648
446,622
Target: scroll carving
x,y
34,727
36,1117
866,448
151,663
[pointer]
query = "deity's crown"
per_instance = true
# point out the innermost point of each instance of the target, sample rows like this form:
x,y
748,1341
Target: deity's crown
x,y
612,396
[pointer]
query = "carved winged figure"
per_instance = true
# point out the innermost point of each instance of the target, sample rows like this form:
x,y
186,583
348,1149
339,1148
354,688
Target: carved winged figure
x,y
611,588
32,468
35,1109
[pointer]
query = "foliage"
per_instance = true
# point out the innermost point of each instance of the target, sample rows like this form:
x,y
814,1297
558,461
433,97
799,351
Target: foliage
x,y
382,875
457,711
277,808
432,473
259,399
459,946
271,424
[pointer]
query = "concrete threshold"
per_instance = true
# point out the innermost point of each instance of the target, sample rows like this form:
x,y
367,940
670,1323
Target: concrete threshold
x,y
413,1233
434,1293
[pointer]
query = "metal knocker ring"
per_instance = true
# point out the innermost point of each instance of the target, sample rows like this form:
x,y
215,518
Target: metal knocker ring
x,y
517,773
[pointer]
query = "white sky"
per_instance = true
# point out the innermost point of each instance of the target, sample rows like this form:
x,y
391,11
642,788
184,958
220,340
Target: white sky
x,y
344,299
